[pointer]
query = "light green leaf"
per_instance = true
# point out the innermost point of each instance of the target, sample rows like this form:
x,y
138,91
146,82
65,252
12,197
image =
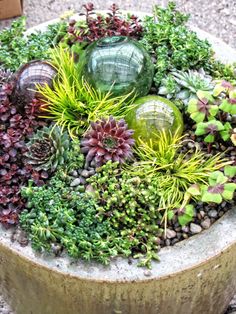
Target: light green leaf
x,y
230,171
210,197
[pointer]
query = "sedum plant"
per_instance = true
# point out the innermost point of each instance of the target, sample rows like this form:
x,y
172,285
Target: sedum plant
x,y
72,103
47,149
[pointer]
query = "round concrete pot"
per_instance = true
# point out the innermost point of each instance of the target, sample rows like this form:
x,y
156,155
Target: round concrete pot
x,y
196,276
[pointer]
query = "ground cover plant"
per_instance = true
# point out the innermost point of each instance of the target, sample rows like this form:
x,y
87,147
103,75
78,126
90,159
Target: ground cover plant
x,y
74,174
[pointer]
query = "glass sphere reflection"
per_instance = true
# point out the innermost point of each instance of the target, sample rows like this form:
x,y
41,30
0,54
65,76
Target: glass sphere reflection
x,y
153,114
118,64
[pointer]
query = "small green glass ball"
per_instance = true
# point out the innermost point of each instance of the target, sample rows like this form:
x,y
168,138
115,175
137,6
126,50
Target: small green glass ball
x,y
118,64
153,114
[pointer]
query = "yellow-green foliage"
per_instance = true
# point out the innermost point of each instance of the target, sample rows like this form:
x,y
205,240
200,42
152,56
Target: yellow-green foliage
x,y
72,102
172,171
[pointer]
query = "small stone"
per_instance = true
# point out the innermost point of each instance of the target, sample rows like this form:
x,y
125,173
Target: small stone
x,y
147,273
212,213
206,223
185,229
74,173
167,242
170,234
90,189
195,228
85,173
91,172
75,182
202,213
82,180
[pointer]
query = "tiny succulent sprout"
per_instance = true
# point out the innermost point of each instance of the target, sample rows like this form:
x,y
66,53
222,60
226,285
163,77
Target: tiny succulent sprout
x,y
211,129
230,171
222,87
229,104
219,188
106,140
202,107
185,214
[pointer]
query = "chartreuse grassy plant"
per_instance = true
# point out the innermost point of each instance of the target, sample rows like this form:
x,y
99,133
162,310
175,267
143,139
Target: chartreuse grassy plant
x,y
171,171
72,103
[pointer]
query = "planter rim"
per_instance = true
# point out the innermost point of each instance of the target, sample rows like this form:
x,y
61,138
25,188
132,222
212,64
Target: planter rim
x,y
187,254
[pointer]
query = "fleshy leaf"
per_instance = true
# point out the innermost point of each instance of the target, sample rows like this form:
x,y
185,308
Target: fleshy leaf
x,y
210,197
230,171
194,190
187,216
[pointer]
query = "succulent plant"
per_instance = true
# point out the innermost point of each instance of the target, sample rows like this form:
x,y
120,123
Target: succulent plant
x,y
107,140
184,85
47,149
5,76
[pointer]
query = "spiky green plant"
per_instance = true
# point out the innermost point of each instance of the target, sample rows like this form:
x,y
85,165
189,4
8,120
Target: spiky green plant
x,y
171,171
72,102
47,149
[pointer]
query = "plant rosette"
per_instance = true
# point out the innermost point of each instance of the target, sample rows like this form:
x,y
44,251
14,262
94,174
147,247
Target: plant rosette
x,y
122,165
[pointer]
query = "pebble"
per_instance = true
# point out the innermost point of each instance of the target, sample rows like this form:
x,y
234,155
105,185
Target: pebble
x,y
195,228
170,234
85,173
74,173
206,223
82,180
212,213
185,229
202,213
147,273
75,182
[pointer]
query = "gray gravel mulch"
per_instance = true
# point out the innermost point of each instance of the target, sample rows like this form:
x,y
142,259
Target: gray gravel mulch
x,y
216,17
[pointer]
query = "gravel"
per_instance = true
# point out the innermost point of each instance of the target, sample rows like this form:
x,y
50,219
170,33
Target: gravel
x,y
216,17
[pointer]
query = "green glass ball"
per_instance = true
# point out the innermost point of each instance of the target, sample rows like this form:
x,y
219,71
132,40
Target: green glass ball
x,y
118,64
153,114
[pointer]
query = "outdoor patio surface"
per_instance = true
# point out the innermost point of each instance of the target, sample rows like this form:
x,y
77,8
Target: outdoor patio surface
x,y
217,17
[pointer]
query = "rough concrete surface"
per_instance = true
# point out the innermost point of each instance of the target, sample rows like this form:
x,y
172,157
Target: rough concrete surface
x,y
218,17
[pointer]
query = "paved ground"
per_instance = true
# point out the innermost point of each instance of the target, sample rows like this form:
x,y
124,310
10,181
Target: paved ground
x,y
216,16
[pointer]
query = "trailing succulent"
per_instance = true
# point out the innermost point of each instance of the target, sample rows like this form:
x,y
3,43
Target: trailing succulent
x,y
47,149
107,140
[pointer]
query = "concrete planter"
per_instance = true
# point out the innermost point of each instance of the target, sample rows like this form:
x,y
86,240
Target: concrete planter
x,y
196,276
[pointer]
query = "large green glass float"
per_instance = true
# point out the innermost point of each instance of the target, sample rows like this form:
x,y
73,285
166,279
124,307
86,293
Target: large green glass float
x,y
153,114
118,64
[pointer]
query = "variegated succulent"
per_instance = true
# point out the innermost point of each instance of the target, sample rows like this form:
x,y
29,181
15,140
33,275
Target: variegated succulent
x,y
184,85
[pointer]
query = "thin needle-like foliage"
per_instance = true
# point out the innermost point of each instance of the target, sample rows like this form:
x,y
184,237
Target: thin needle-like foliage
x,y
72,103
170,170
